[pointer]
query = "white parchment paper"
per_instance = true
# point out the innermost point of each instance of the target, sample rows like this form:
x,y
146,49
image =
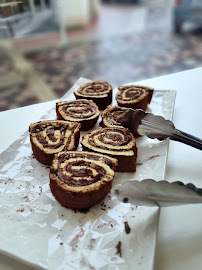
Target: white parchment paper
x,y
36,229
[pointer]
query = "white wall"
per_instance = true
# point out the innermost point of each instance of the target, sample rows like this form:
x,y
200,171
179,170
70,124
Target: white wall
x,y
76,12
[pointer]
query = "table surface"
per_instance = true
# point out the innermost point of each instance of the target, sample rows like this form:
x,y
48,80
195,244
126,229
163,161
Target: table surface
x,y
179,241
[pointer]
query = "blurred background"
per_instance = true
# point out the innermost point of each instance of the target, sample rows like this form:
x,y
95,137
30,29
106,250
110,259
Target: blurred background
x,y
46,45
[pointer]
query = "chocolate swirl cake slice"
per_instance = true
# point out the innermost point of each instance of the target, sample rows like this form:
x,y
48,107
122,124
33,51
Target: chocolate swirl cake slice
x,y
53,136
81,179
99,92
109,116
83,111
134,96
116,142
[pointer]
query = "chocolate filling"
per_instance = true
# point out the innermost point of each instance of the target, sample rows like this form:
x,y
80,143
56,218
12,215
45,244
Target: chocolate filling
x,y
46,144
134,93
113,135
85,109
112,114
50,134
84,174
94,88
65,156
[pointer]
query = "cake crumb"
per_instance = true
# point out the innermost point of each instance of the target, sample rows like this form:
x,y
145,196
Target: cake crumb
x,y
75,240
125,200
147,159
118,248
127,227
20,210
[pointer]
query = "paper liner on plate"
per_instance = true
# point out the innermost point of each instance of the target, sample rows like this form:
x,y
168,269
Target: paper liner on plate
x,y
37,229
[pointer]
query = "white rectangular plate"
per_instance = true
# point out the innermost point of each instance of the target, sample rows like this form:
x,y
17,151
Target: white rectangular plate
x,y
37,230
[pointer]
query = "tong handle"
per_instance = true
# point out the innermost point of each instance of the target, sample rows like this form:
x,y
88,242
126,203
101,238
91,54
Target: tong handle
x,y
188,139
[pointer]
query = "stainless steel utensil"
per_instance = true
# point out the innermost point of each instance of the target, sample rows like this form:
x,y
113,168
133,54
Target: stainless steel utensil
x,y
164,194
155,126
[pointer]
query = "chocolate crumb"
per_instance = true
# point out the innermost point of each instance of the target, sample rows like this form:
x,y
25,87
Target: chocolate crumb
x,y
26,198
75,240
118,248
20,210
133,208
91,244
147,159
105,225
127,227
61,243
8,181
84,210
125,200
84,262
103,206
139,164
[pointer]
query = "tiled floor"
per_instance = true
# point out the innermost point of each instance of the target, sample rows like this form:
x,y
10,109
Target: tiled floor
x,y
117,60
17,95
125,44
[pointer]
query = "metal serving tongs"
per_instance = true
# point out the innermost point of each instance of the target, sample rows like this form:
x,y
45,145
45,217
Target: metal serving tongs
x,y
155,126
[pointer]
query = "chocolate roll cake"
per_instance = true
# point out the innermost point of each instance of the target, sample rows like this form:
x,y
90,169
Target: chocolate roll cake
x,y
81,110
116,142
99,92
51,137
81,179
134,96
109,116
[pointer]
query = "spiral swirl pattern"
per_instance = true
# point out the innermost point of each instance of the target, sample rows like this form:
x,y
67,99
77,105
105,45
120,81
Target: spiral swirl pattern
x,y
110,140
77,109
134,96
99,92
109,116
95,89
116,142
77,169
50,137
83,174
83,111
